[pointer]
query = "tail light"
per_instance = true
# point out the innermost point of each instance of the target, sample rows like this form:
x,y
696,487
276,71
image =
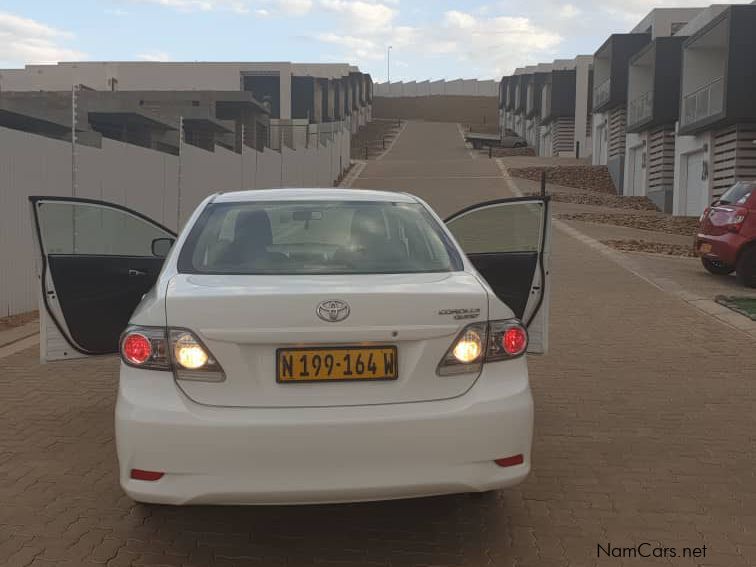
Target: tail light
x,y
704,214
484,342
192,360
734,221
145,347
180,350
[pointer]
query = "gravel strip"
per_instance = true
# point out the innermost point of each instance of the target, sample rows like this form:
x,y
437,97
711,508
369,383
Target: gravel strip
x,y
651,247
686,226
603,200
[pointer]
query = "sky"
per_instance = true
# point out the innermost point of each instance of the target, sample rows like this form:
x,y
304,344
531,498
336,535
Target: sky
x,y
429,39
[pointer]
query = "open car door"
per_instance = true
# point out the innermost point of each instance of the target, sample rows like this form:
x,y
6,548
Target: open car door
x,y
507,241
97,261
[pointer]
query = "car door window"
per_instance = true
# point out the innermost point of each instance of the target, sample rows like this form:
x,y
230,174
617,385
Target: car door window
x,y
88,229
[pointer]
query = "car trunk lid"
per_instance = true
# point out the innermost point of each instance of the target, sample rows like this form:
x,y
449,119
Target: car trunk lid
x,y
244,319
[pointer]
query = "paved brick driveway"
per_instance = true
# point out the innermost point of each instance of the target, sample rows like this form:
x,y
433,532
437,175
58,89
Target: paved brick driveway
x,y
644,434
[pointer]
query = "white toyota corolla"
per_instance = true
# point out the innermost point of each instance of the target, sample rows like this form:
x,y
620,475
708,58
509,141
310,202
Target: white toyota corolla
x,y
305,345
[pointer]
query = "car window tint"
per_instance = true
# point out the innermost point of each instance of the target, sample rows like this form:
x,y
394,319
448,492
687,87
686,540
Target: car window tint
x,y
738,194
510,227
88,228
318,237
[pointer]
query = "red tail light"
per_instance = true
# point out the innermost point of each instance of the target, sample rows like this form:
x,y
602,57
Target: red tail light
x,y
736,218
136,348
514,340
145,347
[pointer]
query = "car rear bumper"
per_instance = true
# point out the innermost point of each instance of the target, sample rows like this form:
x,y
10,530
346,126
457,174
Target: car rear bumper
x,y
721,247
214,455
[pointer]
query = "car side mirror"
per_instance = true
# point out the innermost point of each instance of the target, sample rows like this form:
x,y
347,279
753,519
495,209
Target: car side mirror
x,y
161,246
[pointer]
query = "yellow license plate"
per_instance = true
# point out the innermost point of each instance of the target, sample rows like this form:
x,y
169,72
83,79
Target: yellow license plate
x,y
705,248
336,364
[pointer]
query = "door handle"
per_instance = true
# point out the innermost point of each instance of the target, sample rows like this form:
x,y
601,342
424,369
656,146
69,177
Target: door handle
x,y
134,273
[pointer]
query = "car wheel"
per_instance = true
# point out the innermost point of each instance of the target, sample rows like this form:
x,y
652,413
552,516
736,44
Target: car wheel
x,y
745,270
716,267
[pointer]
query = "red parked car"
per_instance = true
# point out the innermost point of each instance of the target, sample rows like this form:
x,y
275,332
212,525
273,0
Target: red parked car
x,y
726,239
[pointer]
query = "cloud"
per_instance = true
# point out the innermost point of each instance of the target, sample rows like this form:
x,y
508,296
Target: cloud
x,y
238,6
24,41
480,43
154,56
371,17
295,7
568,11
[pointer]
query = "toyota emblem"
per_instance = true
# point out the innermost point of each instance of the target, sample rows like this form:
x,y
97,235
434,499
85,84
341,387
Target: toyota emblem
x,y
332,310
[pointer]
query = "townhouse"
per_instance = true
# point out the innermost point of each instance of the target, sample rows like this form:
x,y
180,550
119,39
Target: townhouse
x,y
547,104
299,96
669,107
716,133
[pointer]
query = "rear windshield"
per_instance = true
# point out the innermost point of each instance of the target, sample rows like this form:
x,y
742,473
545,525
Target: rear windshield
x,y
738,194
318,237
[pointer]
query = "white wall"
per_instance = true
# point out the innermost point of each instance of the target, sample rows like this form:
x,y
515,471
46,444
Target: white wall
x,y
139,178
636,144
684,147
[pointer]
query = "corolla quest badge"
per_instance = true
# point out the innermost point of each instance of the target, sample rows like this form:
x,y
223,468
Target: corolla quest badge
x,y
333,310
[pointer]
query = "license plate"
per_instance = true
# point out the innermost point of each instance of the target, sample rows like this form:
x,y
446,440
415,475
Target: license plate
x,y
340,364
704,248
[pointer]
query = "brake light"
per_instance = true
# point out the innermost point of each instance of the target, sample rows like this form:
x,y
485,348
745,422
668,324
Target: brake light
x,y
515,340
137,348
145,347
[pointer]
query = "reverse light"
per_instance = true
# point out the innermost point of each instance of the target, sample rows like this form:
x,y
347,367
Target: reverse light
x,y
468,347
192,360
189,353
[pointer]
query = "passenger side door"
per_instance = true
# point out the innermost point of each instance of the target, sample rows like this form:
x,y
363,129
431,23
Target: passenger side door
x,y
97,260
507,241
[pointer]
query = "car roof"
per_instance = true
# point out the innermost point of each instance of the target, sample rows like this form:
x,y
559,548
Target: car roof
x,y
313,194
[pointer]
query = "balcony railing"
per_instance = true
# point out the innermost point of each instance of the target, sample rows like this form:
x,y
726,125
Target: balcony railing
x,y
601,93
640,109
704,102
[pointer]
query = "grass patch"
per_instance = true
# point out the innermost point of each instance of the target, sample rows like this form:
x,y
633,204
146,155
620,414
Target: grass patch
x,y
743,305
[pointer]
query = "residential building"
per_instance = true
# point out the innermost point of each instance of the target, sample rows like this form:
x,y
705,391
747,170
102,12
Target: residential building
x,y
297,94
610,75
533,100
716,143
653,94
610,70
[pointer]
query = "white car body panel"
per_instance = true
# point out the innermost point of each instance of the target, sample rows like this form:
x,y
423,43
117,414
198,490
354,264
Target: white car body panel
x,y
322,455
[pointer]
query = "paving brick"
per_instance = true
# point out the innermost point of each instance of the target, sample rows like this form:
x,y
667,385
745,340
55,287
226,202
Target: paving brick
x,y
641,433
